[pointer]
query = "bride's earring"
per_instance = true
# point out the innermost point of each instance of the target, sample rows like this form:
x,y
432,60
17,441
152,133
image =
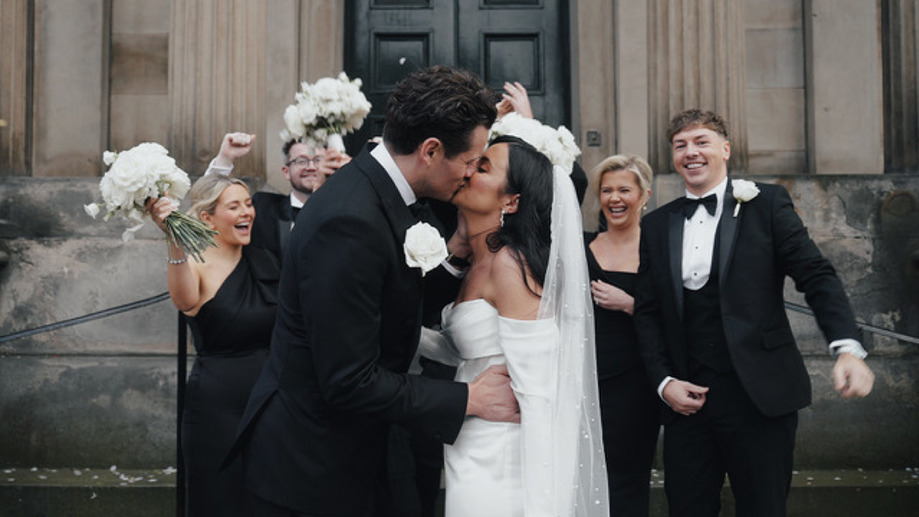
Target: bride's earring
x,y
502,218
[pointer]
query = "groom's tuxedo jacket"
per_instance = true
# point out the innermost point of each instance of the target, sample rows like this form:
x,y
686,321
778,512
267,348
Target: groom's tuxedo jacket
x,y
760,247
315,430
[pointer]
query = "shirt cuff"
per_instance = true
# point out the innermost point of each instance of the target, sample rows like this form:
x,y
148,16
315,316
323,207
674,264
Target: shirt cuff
x,y
453,270
848,346
214,169
660,388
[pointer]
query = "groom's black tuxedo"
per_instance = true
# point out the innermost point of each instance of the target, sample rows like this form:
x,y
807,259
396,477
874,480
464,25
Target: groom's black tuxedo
x,y
315,431
760,247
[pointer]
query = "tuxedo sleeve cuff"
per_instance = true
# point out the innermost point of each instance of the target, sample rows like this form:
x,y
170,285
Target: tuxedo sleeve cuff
x,y
848,346
660,388
212,168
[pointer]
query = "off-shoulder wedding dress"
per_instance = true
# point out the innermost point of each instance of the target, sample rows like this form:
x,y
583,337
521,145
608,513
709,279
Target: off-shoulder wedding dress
x,y
552,462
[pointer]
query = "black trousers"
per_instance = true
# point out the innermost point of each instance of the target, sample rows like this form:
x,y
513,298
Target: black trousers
x,y
728,436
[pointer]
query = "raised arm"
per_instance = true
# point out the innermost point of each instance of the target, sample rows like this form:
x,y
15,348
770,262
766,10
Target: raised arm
x,y
234,146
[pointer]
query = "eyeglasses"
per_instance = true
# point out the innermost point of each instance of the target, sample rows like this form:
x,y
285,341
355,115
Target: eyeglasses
x,y
304,161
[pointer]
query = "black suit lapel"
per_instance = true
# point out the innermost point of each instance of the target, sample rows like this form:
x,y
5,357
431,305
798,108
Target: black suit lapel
x,y
399,216
285,216
675,241
727,232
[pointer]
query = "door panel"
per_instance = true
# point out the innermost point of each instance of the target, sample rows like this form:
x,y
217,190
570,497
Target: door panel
x,y
501,40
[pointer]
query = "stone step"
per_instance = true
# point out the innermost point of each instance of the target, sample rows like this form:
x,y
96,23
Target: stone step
x,y
39,492
85,492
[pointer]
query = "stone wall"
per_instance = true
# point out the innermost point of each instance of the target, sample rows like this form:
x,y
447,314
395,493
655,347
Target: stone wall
x,y
103,393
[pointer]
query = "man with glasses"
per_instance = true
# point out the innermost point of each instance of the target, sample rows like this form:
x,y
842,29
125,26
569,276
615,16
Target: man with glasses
x,y
306,167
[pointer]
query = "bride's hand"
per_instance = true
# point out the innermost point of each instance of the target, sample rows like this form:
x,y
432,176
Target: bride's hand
x,y
160,209
491,397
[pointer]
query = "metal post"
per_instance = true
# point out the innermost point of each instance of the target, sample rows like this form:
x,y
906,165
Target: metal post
x,y
181,368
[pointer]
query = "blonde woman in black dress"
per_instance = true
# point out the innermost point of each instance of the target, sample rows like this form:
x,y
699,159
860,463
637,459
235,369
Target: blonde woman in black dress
x,y
618,192
230,301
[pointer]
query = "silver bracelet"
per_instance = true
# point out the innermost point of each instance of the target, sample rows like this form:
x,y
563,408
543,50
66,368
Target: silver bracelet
x,y
176,262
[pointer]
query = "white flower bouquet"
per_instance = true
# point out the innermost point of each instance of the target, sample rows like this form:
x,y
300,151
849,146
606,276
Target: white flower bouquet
x,y
325,111
557,144
143,172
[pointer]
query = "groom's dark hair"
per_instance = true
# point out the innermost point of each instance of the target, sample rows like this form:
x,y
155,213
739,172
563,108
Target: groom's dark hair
x,y
441,102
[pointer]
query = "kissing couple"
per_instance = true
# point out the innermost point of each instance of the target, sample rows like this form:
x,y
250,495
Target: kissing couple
x,y
521,419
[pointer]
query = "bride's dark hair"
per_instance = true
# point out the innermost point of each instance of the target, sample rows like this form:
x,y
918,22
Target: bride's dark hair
x,y
527,232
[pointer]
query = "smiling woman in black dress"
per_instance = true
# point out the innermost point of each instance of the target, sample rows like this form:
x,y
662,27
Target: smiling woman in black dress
x,y
629,406
230,300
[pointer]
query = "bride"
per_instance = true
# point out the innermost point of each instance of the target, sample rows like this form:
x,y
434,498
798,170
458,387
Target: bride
x,y
525,303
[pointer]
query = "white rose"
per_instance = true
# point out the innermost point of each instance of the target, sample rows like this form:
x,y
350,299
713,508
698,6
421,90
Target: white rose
x,y
92,209
108,157
293,122
743,191
424,247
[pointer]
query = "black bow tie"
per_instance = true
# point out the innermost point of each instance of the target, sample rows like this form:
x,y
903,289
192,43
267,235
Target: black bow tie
x,y
421,209
294,210
710,202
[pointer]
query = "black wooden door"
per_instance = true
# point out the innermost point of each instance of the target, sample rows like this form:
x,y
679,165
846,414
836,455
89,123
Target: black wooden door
x,y
501,40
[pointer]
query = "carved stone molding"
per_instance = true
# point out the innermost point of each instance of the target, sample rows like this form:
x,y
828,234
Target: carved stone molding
x,y
696,60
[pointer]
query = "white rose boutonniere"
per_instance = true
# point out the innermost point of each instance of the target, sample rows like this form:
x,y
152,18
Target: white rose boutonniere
x,y
743,191
424,247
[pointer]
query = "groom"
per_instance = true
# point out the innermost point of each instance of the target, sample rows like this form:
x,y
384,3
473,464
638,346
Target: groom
x,y
315,433
714,335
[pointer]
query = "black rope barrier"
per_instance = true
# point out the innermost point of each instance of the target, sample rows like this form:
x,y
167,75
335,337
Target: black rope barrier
x,y
85,318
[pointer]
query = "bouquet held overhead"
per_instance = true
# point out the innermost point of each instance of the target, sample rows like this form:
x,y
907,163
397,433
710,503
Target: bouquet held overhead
x,y
326,110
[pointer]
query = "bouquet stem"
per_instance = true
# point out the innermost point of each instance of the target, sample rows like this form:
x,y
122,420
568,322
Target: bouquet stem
x,y
188,233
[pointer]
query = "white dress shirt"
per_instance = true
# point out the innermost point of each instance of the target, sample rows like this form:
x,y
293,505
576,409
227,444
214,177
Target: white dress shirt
x,y
699,240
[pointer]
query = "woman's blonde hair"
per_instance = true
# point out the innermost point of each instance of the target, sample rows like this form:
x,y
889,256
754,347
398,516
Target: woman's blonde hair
x,y
207,190
618,162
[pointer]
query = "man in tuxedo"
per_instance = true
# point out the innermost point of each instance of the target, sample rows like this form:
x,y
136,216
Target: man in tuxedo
x,y
315,434
714,334
306,167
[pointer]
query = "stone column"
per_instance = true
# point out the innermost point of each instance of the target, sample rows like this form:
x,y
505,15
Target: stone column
x,y
69,96
613,83
237,65
845,109
697,60
217,79
901,105
15,86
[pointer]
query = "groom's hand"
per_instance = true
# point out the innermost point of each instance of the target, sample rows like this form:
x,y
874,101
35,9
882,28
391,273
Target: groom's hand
x,y
491,397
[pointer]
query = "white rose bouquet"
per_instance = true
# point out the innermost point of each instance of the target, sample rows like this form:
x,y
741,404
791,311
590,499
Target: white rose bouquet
x,y
557,144
326,110
143,172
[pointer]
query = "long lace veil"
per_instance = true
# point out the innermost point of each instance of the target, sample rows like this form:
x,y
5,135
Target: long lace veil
x,y
578,445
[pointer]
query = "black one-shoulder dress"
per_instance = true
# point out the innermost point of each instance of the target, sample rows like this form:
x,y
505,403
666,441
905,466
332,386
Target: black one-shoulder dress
x,y
231,335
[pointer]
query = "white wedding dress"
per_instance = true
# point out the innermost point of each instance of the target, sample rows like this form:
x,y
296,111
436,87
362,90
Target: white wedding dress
x,y
486,470
552,463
